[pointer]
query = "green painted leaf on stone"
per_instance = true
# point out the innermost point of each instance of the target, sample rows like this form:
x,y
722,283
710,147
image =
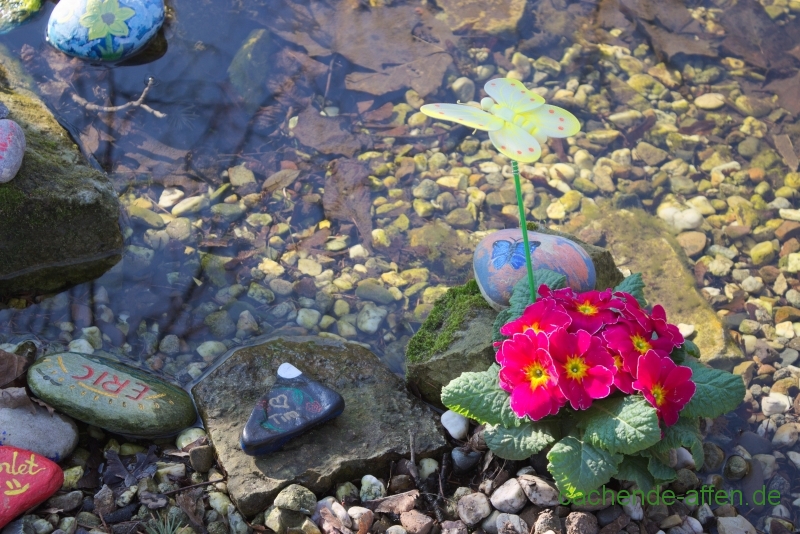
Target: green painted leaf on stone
x,y
634,469
479,396
521,442
621,425
579,467
662,473
684,433
718,392
635,286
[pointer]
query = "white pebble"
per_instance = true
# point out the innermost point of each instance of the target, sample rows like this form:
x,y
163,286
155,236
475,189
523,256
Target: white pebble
x,y
455,424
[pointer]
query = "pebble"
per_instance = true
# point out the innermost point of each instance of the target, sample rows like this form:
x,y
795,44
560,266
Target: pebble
x,y
464,89
189,436
67,28
371,488
12,149
538,490
169,197
35,429
370,318
633,507
509,497
581,523
190,205
296,497
28,480
456,424
464,461
133,403
511,524
775,403
80,345
785,436
415,522
308,318
734,525
710,101
332,504
427,467
473,508
209,350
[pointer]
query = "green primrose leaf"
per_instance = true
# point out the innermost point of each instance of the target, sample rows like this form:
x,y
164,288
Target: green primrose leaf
x,y
691,349
662,473
621,425
579,467
521,442
717,392
549,278
634,468
684,433
635,286
479,397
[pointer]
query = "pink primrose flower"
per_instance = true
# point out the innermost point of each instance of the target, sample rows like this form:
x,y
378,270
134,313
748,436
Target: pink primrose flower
x,y
585,368
666,386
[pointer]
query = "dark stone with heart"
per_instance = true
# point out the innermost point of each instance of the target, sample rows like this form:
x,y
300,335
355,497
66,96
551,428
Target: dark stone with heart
x,y
293,405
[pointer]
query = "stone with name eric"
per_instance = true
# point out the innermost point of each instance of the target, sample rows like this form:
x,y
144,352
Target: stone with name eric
x,y
110,395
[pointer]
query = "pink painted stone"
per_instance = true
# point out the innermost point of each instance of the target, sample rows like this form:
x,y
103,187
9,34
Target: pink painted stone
x,y
26,479
12,149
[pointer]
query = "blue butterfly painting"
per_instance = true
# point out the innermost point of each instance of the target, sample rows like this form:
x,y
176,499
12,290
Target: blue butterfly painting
x,y
506,251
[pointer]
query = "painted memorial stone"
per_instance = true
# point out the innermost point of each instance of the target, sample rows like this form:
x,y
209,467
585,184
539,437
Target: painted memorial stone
x,y
16,12
294,404
499,263
26,479
107,30
12,149
110,395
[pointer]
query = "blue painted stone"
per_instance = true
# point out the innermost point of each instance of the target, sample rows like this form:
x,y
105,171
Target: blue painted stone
x,y
499,263
107,30
292,406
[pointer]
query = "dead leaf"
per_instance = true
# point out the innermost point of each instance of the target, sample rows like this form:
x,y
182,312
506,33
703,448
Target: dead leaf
x,y
16,398
381,40
327,134
394,504
315,241
380,114
153,501
788,91
191,502
279,180
754,36
669,45
44,405
104,501
785,148
347,196
12,367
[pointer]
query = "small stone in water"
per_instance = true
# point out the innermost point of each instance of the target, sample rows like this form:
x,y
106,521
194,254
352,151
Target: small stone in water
x,y
464,461
294,404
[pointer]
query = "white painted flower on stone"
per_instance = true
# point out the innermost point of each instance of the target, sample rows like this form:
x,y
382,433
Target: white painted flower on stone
x,y
517,120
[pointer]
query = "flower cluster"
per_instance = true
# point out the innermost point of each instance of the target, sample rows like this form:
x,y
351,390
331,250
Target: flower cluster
x,y
578,347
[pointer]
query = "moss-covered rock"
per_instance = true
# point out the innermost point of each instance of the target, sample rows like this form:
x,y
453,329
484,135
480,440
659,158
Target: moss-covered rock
x,y
59,217
456,337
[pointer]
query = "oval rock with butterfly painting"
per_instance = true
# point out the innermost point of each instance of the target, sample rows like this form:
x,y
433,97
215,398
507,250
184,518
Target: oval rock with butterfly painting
x,y
499,263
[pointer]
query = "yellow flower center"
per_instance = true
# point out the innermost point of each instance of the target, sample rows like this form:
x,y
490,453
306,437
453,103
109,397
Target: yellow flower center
x,y
618,361
658,394
532,326
587,308
576,368
537,375
640,344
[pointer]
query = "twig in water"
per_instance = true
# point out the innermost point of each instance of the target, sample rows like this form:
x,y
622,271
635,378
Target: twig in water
x,y
138,103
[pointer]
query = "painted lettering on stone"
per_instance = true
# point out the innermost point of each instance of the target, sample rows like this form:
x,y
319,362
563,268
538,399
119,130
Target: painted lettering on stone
x,y
18,467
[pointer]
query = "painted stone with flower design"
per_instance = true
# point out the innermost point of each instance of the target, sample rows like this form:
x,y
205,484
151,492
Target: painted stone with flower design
x,y
293,405
106,30
499,263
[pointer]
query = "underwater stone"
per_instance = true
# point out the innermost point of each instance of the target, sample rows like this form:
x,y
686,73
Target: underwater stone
x,y
111,396
107,30
499,263
12,149
28,479
294,404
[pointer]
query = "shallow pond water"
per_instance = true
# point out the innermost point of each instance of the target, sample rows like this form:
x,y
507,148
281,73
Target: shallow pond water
x,y
686,108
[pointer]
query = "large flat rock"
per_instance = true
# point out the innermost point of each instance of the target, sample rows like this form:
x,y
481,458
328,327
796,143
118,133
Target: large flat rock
x,y
59,217
373,430
641,243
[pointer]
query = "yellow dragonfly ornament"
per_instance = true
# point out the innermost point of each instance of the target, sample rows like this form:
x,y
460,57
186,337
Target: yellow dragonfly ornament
x,y
517,120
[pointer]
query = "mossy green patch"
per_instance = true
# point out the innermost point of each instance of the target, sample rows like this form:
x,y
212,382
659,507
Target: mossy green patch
x,y
448,315
59,216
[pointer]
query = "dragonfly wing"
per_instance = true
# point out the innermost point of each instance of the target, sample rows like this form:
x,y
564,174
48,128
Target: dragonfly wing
x,y
467,115
513,94
553,121
516,143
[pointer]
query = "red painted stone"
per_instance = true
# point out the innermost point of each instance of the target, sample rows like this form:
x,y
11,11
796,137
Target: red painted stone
x,y
26,479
